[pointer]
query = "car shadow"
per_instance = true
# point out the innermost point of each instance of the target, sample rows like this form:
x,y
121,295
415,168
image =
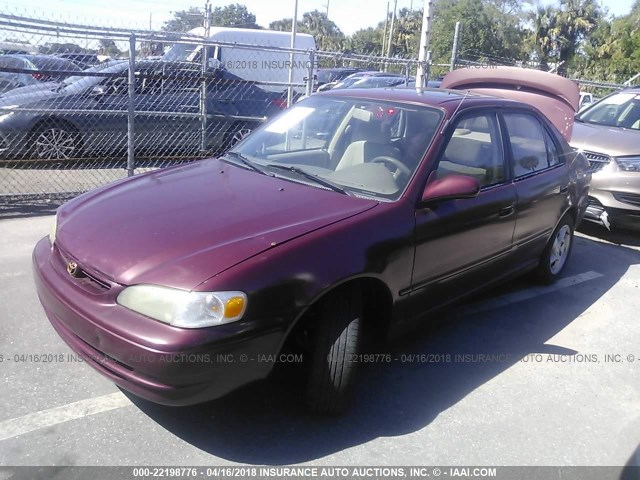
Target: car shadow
x,y
9,210
266,423
617,236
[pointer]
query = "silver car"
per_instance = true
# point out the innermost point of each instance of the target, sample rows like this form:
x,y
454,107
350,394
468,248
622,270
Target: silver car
x,y
608,133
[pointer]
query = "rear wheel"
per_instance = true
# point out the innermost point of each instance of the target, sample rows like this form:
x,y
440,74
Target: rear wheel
x,y
555,255
337,341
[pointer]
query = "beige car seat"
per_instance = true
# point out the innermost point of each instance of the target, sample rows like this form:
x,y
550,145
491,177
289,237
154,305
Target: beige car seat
x,y
369,140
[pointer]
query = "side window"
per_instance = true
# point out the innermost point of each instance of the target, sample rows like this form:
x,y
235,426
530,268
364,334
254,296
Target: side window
x,y
553,156
475,150
117,86
9,62
150,82
181,80
528,144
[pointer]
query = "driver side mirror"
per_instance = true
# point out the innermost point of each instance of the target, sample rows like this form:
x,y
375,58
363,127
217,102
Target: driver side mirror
x,y
449,188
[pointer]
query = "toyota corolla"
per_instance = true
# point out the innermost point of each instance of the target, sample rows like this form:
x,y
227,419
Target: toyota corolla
x,y
353,210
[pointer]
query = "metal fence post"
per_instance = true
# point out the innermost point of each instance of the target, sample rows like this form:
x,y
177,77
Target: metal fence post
x,y
454,50
131,145
310,73
203,101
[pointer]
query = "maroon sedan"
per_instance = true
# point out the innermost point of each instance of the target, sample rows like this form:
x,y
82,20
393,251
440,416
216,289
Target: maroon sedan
x,y
353,210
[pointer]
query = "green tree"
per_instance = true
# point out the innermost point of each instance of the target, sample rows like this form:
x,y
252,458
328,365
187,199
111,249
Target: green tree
x,y
325,32
233,15
367,41
559,32
491,30
542,38
185,20
611,52
109,47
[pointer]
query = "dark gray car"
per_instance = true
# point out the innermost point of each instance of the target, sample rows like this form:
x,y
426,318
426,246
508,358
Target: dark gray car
x,y
21,70
86,116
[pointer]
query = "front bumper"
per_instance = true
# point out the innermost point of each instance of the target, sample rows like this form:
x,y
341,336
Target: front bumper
x,y
161,363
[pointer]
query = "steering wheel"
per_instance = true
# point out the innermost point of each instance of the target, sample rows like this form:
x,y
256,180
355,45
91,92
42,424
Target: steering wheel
x,y
400,168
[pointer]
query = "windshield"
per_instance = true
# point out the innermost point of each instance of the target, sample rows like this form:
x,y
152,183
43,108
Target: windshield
x,y
78,83
179,52
617,110
364,147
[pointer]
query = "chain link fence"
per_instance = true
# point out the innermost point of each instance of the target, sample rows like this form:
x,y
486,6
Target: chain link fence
x,y
82,105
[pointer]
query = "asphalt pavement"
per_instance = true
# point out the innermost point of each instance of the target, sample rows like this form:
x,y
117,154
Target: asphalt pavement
x,y
523,375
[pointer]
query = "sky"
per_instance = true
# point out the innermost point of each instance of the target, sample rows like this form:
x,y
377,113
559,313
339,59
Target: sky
x,y
349,15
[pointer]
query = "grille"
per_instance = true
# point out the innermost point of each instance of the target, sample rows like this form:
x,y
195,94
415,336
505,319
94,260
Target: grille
x,y
597,161
630,198
83,277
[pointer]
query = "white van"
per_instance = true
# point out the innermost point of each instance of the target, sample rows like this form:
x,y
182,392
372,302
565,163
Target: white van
x,y
249,64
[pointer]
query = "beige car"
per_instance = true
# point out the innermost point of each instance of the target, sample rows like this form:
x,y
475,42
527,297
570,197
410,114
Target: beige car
x,y
608,133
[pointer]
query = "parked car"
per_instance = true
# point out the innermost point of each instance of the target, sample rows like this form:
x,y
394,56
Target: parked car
x,y
352,211
586,99
43,90
329,75
82,60
41,68
87,116
608,132
353,78
380,82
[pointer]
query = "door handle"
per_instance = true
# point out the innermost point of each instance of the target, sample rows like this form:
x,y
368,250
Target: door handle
x,y
506,211
564,189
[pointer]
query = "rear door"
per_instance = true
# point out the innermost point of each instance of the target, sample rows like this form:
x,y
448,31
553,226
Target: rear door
x,y
461,244
540,177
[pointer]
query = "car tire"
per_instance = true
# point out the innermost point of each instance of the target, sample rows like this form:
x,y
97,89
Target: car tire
x,y
556,253
337,341
55,141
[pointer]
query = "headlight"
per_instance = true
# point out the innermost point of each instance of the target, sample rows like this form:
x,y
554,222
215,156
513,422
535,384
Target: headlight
x,y
629,164
184,309
54,229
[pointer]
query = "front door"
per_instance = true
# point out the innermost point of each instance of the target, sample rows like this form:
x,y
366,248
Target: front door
x,y
461,242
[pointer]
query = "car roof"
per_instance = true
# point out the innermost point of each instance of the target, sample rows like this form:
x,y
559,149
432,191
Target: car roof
x,y
434,97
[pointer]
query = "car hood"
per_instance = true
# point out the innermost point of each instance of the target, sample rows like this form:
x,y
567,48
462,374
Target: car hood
x,y
612,141
180,226
556,97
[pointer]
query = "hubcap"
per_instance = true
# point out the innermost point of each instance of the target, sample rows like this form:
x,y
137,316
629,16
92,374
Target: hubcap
x,y
560,249
55,143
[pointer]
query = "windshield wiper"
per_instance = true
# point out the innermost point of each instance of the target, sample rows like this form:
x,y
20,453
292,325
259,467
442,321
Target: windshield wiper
x,y
320,181
247,162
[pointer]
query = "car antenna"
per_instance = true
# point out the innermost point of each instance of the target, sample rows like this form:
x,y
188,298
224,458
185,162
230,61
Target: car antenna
x,y
444,127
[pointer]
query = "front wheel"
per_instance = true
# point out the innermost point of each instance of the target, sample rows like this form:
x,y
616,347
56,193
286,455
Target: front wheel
x,y
555,255
337,342
55,142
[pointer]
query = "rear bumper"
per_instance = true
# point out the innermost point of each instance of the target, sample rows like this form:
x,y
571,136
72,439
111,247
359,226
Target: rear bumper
x,y
153,360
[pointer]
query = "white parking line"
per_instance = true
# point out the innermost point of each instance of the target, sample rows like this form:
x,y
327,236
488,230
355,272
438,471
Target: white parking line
x,y
65,413
515,297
